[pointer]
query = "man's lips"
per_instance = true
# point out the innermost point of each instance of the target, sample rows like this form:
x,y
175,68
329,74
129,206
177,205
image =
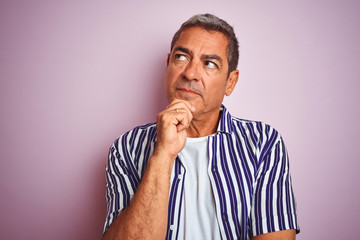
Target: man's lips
x,y
186,90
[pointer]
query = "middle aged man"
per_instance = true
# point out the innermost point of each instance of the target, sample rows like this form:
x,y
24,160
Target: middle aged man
x,y
198,172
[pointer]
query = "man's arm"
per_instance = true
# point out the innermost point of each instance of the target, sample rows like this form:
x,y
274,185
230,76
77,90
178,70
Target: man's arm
x,y
280,235
273,207
146,215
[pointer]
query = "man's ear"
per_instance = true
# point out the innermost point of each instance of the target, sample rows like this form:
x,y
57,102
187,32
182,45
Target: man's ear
x,y
231,82
168,59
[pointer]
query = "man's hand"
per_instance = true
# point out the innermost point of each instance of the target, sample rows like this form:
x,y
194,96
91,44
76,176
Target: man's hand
x,y
171,128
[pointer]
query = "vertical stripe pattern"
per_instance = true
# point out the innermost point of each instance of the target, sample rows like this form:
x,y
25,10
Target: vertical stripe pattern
x,y
248,170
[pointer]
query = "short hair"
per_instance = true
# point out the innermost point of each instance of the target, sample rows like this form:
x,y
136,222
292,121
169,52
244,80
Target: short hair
x,y
210,22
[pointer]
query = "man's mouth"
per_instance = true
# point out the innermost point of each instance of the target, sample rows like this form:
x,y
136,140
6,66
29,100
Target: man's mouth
x,y
187,91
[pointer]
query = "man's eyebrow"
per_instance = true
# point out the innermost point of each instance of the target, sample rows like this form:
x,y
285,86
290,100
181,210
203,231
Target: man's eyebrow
x,y
205,56
214,57
182,49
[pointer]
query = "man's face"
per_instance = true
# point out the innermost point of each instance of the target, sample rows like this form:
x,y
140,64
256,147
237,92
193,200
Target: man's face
x,y
197,70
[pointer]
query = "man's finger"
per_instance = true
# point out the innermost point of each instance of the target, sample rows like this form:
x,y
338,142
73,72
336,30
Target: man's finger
x,y
179,107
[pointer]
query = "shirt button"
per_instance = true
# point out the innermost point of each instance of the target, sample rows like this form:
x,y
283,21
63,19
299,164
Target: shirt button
x,y
172,227
180,176
224,217
214,169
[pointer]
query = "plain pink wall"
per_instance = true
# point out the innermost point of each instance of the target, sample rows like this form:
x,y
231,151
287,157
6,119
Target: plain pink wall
x,y
77,74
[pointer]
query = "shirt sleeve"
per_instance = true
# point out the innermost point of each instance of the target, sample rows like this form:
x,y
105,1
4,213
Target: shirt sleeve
x,y
273,207
120,186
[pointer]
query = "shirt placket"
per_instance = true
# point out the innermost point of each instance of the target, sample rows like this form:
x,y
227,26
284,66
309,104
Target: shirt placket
x,y
176,198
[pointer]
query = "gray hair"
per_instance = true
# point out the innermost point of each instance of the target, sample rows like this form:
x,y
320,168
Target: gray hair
x,y
210,22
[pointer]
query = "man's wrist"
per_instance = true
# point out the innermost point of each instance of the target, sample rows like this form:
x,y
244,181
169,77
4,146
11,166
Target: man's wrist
x,y
163,160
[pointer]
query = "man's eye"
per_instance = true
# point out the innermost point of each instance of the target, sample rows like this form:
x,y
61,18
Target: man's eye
x,y
180,57
210,64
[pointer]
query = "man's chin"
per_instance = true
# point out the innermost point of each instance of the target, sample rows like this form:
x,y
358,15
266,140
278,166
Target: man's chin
x,y
179,99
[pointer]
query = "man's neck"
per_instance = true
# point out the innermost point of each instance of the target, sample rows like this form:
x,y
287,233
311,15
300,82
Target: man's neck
x,y
204,125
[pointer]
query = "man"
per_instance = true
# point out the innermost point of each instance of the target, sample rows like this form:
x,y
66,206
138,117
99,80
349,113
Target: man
x,y
198,172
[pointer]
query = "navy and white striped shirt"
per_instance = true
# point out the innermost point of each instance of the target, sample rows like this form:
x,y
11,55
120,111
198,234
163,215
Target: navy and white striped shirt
x,y
248,170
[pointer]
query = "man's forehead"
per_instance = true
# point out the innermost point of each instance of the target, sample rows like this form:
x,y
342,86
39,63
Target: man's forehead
x,y
193,37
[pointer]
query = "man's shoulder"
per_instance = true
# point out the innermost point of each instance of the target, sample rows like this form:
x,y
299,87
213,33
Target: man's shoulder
x,y
231,123
139,134
251,123
243,121
258,129
141,128
147,126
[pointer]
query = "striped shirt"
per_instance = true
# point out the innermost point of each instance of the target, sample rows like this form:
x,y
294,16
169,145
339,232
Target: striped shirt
x,y
248,170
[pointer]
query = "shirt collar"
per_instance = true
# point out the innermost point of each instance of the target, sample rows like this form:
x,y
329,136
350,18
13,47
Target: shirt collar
x,y
226,125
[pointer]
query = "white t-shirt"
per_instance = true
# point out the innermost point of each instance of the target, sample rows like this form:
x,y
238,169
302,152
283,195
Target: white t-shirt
x,y
198,215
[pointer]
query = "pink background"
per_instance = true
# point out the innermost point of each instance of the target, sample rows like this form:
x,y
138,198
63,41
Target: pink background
x,y
76,74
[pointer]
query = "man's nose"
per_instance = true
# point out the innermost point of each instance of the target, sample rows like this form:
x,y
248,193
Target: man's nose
x,y
192,70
